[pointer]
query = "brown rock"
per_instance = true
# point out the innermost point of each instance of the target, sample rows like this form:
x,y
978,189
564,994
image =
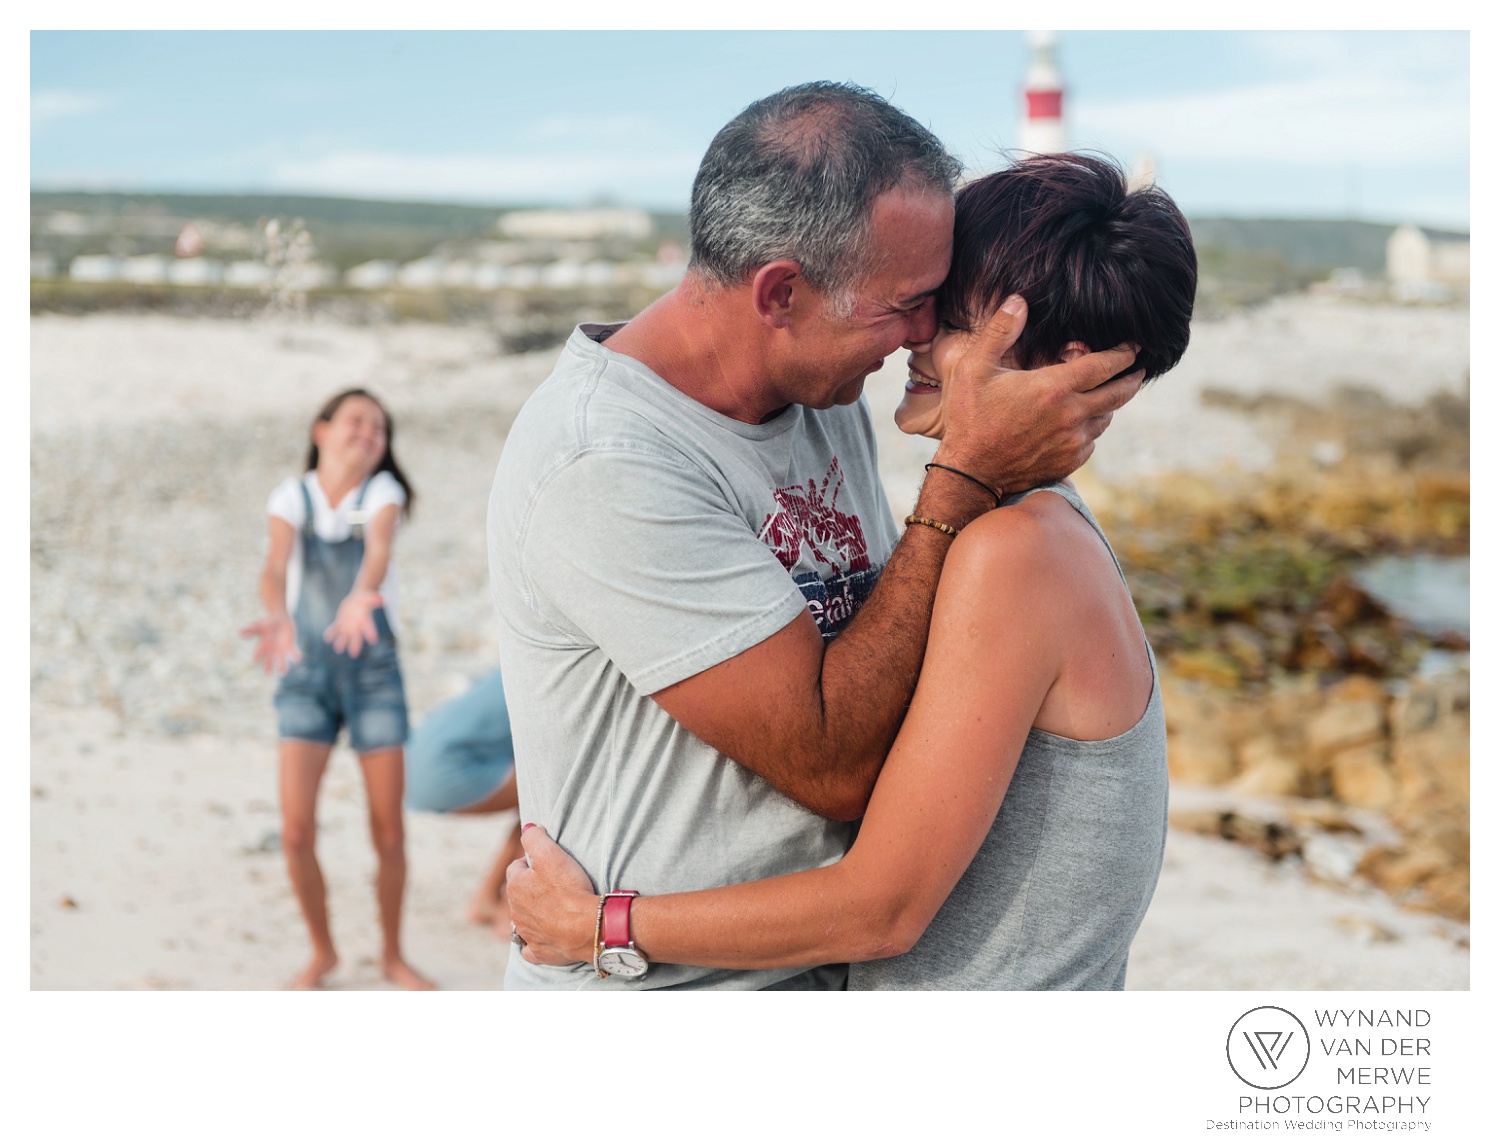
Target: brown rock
x,y
1271,776
1279,629
1199,759
1357,688
1247,647
1265,748
1435,490
1292,701
1343,601
1323,815
1192,708
1203,821
1437,759
1448,837
1399,870
1206,665
1270,838
1414,710
1346,722
1448,892
1320,648
1362,776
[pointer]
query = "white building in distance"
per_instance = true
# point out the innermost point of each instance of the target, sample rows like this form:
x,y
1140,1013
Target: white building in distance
x,y
1427,264
575,225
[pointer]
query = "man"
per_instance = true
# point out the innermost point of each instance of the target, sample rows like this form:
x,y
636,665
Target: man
x,y
687,512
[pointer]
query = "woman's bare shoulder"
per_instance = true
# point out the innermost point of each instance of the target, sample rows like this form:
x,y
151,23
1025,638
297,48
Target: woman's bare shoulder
x,y
1031,537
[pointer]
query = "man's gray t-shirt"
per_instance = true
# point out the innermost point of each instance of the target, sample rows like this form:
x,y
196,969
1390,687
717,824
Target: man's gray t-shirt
x,y
636,538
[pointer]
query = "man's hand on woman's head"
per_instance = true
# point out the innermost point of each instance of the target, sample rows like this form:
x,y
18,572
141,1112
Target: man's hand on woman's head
x,y
1015,429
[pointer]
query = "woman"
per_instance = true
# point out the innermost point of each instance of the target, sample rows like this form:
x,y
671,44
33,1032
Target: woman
x,y
1014,838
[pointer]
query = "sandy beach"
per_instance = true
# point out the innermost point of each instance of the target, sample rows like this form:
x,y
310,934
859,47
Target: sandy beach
x,y
154,442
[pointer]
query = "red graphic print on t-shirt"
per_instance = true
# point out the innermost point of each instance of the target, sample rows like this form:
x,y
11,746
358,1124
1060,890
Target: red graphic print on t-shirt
x,y
808,515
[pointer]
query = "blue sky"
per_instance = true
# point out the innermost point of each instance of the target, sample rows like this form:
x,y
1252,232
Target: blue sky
x,y
1257,124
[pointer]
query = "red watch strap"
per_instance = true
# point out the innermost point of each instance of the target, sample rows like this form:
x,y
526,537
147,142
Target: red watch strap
x,y
617,918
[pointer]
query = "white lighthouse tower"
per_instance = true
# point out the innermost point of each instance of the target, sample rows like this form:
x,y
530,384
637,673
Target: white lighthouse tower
x,y
1042,123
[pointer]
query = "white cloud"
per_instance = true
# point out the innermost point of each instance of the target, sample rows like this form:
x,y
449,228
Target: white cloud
x,y
650,178
1377,120
47,106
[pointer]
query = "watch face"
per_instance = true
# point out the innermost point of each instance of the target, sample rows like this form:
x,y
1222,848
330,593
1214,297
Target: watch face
x,y
622,962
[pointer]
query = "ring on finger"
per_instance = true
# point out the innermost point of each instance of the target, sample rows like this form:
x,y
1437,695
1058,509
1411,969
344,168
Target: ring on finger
x,y
515,936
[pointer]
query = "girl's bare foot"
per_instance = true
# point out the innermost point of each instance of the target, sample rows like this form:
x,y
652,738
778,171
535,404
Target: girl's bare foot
x,y
311,976
400,972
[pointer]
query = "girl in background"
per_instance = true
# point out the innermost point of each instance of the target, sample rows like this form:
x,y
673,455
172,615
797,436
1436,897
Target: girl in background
x,y
329,631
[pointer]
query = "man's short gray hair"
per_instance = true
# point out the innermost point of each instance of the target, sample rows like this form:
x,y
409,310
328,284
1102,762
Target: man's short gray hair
x,y
796,174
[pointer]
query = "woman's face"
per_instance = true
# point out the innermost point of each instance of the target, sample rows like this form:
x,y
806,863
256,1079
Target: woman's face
x,y
920,412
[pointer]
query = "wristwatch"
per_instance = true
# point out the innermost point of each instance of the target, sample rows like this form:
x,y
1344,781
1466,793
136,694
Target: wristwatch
x,y
616,954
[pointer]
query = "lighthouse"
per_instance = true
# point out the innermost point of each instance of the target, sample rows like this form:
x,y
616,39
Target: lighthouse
x,y
1042,123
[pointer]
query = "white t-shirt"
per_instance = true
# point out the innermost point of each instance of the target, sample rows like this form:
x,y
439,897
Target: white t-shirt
x,y
331,523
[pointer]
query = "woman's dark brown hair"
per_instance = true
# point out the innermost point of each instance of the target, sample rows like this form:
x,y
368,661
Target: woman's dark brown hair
x,y
387,461
1096,261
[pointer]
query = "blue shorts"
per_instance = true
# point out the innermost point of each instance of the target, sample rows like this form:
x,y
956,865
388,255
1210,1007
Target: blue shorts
x,y
461,751
326,691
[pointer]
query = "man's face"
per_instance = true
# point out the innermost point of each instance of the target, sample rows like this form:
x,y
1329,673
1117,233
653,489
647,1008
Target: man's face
x,y
911,243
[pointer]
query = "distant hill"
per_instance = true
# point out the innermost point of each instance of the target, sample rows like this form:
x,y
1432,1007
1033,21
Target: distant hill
x,y
346,230
245,208
1311,244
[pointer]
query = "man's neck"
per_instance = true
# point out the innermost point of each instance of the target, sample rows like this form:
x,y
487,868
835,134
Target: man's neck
x,y
691,339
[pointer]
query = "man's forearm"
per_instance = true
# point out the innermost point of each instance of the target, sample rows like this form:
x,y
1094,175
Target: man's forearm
x,y
870,669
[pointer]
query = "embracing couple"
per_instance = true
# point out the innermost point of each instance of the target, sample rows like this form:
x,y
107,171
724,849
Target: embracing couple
x,y
766,738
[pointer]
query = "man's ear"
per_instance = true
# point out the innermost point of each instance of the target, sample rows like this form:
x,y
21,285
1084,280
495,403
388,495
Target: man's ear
x,y
775,289
1072,351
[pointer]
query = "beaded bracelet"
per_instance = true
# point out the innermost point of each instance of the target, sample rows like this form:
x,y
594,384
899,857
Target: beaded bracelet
x,y
967,476
933,523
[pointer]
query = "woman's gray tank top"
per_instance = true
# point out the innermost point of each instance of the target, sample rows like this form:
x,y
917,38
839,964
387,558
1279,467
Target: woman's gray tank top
x,y
1058,888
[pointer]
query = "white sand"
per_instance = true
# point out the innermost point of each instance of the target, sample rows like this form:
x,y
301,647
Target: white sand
x,y
153,821
154,866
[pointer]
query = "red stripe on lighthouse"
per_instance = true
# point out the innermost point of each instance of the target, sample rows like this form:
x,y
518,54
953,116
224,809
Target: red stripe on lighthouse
x,y
1044,104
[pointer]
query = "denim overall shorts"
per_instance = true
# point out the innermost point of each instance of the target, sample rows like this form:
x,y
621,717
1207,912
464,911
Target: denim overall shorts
x,y
326,689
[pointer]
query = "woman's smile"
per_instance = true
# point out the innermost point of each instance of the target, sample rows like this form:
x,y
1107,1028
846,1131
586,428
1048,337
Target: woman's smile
x,y
918,381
